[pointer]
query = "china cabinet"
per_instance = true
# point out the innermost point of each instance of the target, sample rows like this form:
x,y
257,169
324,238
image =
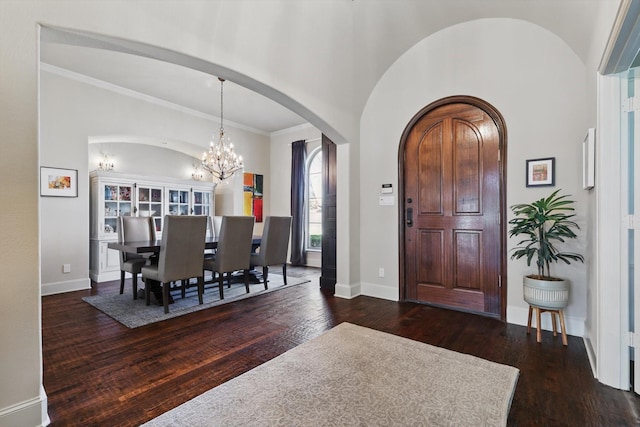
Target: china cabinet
x,y
113,195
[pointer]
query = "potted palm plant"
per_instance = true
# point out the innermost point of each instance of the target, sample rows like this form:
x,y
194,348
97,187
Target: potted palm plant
x,y
542,224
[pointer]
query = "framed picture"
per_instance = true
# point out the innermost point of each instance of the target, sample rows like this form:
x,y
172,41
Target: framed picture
x,y
589,159
57,182
541,172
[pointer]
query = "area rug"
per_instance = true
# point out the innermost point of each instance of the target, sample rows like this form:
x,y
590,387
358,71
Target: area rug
x,y
135,313
355,376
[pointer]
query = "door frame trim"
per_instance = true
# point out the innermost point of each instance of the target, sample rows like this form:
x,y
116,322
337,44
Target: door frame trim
x,y
502,144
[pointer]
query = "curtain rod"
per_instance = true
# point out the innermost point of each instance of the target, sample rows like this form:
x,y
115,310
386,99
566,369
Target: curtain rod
x,y
309,140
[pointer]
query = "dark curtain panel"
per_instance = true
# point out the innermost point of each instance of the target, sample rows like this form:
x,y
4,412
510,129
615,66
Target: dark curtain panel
x,y
298,187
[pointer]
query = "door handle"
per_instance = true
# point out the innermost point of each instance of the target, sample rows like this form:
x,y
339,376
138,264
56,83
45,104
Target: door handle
x,y
409,217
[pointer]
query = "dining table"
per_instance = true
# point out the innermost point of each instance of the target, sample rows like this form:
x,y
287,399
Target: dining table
x,y
148,246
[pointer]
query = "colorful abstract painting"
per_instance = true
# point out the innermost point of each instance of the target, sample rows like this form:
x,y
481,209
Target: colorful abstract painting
x,y
253,187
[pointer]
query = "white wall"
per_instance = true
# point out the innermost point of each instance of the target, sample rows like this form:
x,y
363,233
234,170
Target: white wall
x,y
598,117
534,79
143,159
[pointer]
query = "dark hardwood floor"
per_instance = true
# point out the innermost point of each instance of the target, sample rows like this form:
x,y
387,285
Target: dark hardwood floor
x,y
97,372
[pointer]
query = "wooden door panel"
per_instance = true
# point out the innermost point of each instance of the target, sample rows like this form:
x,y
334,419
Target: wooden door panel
x,y
467,261
430,265
431,171
467,169
451,180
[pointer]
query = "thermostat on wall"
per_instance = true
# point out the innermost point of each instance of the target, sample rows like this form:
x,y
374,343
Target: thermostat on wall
x,y
387,188
387,200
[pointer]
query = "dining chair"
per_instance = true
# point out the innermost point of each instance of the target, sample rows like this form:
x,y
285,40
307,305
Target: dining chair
x,y
181,255
274,246
131,229
234,249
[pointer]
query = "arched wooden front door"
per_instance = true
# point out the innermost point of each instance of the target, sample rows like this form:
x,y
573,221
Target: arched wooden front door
x,y
452,188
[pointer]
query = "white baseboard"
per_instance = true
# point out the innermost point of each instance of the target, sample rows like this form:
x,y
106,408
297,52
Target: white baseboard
x,y
31,412
520,316
67,286
591,354
347,291
380,291
106,276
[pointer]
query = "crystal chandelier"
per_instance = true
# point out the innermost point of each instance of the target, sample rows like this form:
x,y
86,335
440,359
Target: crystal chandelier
x,y
220,160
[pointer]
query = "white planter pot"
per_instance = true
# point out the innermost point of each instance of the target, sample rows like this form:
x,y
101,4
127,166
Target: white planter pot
x,y
549,294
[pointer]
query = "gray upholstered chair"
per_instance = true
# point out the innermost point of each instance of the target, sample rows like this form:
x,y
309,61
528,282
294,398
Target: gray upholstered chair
x,y
181,255
234,249
132,229
274,246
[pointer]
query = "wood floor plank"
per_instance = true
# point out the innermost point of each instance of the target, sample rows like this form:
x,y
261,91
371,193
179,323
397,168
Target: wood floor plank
x,y
100,373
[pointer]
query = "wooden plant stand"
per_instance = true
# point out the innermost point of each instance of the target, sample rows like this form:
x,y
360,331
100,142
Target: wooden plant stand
x,y
553,312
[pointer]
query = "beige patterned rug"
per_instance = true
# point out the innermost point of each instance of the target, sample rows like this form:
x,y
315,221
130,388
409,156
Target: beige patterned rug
x,y
355,376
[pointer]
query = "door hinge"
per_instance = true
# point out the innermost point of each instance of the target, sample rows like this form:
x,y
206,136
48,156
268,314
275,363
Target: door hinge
x,y
499,280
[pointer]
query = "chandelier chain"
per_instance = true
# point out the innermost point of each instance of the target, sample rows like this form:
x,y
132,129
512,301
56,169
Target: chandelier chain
x,y
220,160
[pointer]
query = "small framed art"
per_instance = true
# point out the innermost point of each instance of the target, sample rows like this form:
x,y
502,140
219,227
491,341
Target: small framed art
x,y
589,159
541,172
57,182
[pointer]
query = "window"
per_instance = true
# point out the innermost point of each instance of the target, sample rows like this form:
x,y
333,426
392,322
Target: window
x,y
314,201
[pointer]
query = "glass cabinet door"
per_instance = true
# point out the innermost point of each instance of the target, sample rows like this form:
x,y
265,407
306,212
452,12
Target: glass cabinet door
x,y
201,202
150,204
179,202
117,202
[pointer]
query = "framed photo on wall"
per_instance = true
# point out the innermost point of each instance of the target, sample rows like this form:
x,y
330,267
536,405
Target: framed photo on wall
x,y
58,182
589,159
541,172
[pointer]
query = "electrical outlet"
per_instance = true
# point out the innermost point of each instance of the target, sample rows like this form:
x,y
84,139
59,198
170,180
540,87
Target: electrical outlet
x,y
381,272
66,268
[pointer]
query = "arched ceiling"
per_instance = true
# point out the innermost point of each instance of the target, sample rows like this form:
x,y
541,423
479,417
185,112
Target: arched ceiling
x,y
381,31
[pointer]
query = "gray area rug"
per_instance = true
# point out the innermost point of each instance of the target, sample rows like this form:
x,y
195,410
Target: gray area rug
x,y
355,376
135,313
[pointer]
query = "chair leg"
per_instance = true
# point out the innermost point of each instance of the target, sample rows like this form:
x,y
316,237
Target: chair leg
x,y
165,296
221,284
183,287
134,282
284,273
200,289
246,280
147,291
229,275
121,282
265,275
